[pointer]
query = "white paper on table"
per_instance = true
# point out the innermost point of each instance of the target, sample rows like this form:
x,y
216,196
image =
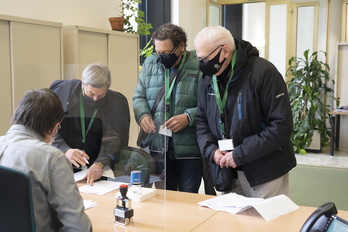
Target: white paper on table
x,y
89,204
269,209
107,172
231,203
274,207
100,187
80,175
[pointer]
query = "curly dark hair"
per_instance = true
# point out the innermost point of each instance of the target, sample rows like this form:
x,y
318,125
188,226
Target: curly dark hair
x,y
170,31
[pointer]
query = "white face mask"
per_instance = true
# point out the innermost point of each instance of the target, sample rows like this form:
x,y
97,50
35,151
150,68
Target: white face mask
x,y
53,135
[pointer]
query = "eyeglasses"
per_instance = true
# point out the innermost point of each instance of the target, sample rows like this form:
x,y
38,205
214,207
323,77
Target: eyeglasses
x,y
205,59
167,55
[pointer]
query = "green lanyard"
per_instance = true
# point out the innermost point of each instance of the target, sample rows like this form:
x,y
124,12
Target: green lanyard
x,y
169,89
82,116
222,103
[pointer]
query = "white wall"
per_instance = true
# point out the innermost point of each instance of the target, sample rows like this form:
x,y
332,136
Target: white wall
x,y
334,33
322,24
90,13
254,18
191,16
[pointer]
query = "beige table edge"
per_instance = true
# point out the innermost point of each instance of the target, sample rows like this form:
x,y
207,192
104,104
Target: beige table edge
x,y
179,211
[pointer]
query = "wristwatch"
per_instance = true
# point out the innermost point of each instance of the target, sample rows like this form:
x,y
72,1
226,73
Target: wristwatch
x,y
99,164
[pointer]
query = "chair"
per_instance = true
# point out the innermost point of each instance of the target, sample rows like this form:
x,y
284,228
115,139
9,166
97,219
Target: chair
x,y
16,205
129,159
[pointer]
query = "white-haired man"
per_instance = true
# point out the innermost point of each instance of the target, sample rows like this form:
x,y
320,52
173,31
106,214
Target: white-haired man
x,y
244,119
96,120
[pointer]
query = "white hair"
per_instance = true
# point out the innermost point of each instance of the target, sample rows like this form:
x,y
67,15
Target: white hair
x,y
96,75
214,36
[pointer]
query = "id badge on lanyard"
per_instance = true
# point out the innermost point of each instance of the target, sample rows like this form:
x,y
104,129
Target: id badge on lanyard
x,y
226,144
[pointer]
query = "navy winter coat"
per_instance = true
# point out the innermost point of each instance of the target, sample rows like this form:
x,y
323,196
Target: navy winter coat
x,y
257,117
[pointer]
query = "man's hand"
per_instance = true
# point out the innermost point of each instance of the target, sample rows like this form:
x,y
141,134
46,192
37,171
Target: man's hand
x,y
227,160
147,124
218,155
94,173
177,122
77,157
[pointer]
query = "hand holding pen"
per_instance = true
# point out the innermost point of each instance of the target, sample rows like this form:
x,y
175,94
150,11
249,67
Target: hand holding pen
x,y
77,157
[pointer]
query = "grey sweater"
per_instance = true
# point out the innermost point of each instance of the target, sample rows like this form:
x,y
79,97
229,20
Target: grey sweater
x,y
58,206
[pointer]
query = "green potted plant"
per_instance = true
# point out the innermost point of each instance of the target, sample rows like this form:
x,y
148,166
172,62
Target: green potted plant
x,y
307,88
148,49
131,15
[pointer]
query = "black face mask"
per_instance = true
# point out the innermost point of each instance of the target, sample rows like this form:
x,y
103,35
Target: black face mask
x,y
93,104
90,102
168,60
212,66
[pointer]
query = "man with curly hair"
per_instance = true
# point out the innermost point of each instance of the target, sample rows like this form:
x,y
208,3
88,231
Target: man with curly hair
x,y
171,75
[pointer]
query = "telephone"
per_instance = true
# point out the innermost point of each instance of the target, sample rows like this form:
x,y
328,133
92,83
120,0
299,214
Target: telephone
x,y
325,219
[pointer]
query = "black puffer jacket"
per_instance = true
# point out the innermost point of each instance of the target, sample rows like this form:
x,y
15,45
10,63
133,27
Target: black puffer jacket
x,y
258,118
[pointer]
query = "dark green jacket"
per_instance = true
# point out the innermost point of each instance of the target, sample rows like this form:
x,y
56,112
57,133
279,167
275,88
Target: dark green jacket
x,y
184,99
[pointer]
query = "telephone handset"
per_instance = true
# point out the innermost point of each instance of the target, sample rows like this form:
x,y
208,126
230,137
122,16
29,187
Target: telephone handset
x,y
319,218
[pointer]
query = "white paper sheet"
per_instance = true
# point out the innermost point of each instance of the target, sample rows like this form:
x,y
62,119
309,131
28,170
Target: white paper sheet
x,y
100,187
89,204
274,207
107,172
80,175
232,203
269,209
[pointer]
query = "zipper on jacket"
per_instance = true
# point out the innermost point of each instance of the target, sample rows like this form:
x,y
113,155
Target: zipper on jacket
x,y
263,125
239,100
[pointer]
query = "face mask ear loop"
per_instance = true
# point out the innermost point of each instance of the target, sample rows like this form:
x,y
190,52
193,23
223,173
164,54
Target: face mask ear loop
x,y
170,61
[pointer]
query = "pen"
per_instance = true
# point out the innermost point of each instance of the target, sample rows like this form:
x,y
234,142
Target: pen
x,y
85,159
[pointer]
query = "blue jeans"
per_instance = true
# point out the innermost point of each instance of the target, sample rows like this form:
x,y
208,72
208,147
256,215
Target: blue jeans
x,y
183,174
